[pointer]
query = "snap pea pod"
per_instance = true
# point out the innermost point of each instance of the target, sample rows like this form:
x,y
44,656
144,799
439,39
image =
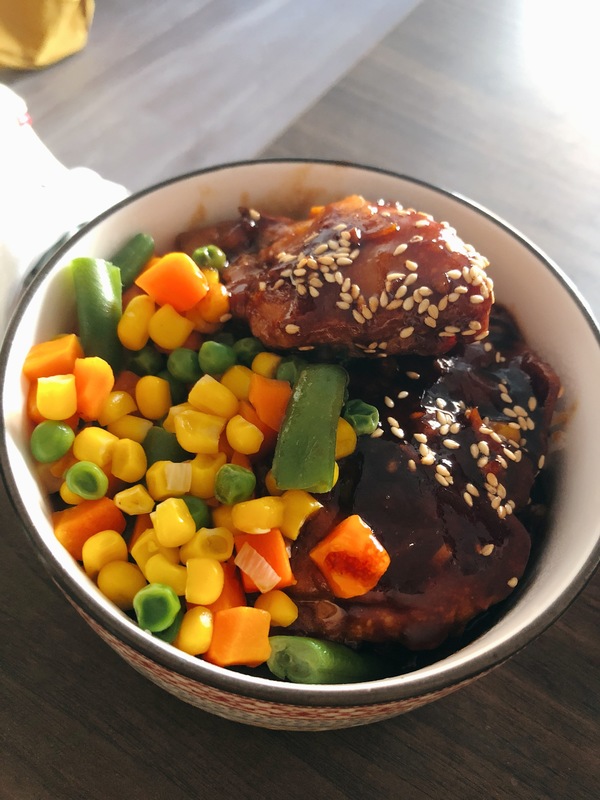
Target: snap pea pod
x,y
98,301
301,659
133,256
305,450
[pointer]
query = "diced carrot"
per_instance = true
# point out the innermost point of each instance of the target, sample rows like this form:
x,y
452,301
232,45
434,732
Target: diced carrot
x,y
75,525
176,280
271,546
141,523
240,460
33,411
233,593
240,636
351,558
246,410
53,357
94,381
126,381
270,399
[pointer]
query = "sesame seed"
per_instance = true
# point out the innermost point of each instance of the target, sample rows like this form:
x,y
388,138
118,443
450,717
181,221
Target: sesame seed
x,y
262,286
408,304
476,299
520,411
299,272
453,297
472,490
346,297
492,479
422,307
412,375
253,214
377,433
484,448
406,332
343,261
482,462
320,248
329,277
415,238
428,459
441,479
451,444
225,318
468,499
383,299
394,304
397,432
420,437
411,465
327,261
410,279
487,549
444,429
412,266
291,329
474,450
532,403
387,400
496,503
513,582
313,291
506,398
541,461
442,470
301,289
424,450
508,412
343,305
421,223
366,312
332,244
400,249
358,316
373,303
402,394
354,254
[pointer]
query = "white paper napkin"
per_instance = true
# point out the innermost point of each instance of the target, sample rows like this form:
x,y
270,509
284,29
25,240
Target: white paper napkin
x,y
40,198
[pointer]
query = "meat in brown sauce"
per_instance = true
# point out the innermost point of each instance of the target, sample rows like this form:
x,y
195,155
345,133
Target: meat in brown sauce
x,y
355,276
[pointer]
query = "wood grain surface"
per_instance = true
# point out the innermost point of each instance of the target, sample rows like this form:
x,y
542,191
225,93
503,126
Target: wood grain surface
x,y
493,100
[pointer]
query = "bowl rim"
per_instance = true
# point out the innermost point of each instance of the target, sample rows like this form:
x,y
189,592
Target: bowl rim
x,y
424,681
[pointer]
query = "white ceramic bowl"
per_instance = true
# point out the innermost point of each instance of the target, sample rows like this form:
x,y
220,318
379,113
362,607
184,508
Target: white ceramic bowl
x,y
556,323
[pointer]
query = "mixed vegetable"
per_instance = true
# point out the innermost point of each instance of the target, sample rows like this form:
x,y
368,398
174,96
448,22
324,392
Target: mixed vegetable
x,y
184,462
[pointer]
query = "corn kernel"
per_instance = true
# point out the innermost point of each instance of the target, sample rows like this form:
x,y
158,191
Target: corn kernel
x,y
205,580
198,432
169,421
271,485
237,380
212,275
345,440
208,543
173,523
282,608
56,397
133,327
298,506
147,545
243,436
153,396
102,548
195,632
130,427
258,515
129,462
204,471
169,329
213,397
95,445
222,518
134,500
169,479
120,581
266,364
160,570
69,497
116,406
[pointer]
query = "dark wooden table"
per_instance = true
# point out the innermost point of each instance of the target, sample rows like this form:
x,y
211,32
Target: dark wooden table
x,y
497,101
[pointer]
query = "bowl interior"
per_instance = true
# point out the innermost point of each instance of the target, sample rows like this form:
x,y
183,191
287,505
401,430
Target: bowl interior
x,y
554,319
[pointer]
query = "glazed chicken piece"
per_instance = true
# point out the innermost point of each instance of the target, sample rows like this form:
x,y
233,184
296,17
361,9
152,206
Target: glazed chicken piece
x,y
462,440
358,277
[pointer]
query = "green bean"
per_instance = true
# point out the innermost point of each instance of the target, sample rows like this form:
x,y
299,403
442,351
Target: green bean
x,y
87,480
99,305
234,484
215,358
304,660
289,369
147,361
50,441
363,417
156,607
133,256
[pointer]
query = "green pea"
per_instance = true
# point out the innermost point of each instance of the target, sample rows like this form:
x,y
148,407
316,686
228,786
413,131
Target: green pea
x,y
169,634
210,256
156,607
363,417
216,358
246,349
199,510
147,361
50,441
234,484
183,365
87,480
179,391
